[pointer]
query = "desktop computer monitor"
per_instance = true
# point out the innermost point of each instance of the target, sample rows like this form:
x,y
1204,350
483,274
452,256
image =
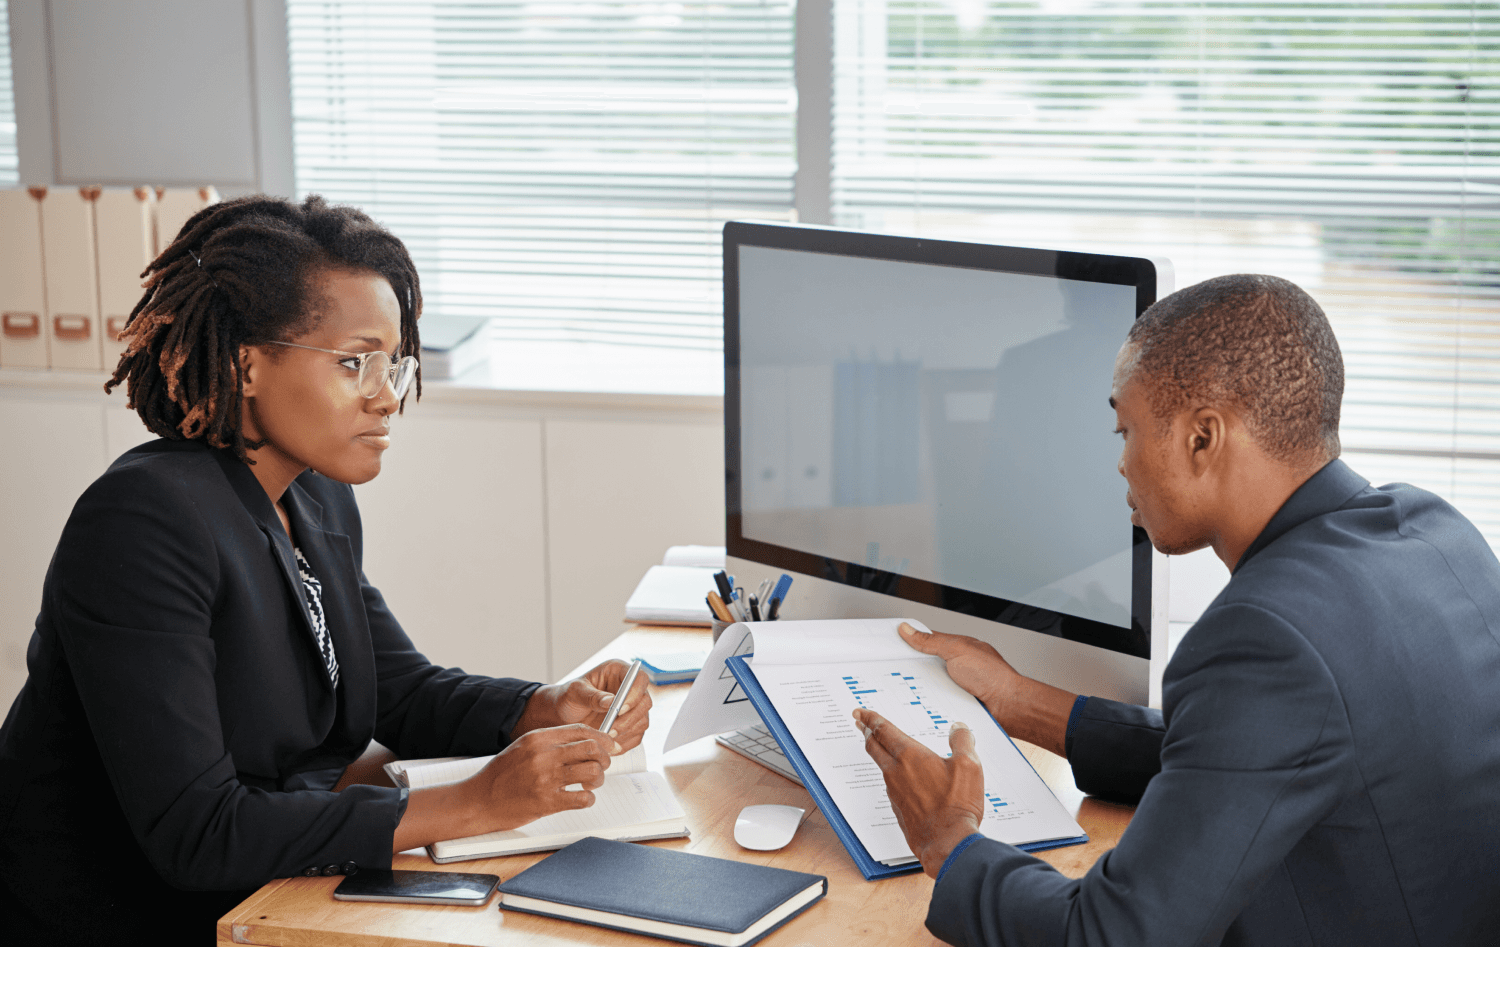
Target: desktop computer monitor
x,y
920,428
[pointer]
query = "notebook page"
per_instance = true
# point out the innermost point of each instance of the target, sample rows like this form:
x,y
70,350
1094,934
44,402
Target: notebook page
x,y
444,770
624,800
448,770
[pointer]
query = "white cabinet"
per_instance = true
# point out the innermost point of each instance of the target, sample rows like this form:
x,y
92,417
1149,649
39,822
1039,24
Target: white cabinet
x,y
454,540
619,493
52,446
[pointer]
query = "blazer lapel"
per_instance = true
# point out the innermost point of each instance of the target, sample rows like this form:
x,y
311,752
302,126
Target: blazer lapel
x,y
259,505
333,562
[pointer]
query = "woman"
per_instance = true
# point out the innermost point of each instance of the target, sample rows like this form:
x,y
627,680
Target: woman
x,y
209,656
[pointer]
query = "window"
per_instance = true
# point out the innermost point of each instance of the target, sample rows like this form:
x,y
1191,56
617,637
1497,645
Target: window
x,y
566,166
9,172
1349,147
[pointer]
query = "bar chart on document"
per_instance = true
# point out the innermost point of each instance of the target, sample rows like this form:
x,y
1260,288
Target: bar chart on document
x,y
904,698
815,699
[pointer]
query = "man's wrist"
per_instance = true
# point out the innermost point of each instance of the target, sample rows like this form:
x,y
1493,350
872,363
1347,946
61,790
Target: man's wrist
x,y
938,848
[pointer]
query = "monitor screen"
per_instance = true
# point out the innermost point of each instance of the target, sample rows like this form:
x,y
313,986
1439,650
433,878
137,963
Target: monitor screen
x,y
930,419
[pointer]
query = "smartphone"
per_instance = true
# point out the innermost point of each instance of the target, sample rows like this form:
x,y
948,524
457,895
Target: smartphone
x,y
381,885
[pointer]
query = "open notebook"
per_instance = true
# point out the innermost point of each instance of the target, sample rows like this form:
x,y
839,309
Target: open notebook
x,y
634,804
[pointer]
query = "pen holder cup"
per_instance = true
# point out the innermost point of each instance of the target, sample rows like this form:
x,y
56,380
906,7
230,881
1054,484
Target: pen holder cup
x,y
716,628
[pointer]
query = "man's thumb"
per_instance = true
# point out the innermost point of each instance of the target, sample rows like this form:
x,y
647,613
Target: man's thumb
x,y
917,639
962,742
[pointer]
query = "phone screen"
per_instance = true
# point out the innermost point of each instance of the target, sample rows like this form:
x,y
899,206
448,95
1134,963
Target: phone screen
x,y
387,886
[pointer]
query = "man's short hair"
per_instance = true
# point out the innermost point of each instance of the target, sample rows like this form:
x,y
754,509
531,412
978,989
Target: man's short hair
x,y
1256,342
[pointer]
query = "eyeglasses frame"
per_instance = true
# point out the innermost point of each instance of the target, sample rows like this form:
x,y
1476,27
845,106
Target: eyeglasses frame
x,y
394,365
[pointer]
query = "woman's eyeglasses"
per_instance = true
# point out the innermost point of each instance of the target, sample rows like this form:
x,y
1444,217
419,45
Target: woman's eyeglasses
x,y
376,369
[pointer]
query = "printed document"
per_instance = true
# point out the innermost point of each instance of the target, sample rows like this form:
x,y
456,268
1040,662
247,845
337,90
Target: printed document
x,y
816,672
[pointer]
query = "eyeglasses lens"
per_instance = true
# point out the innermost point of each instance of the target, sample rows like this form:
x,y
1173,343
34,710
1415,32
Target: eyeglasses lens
x,y
402,380
377,367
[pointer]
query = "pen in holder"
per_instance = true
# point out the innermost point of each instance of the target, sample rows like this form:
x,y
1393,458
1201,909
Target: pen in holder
x,y
720,615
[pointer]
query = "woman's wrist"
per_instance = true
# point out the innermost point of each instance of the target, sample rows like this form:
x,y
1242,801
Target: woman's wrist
x,y
537,713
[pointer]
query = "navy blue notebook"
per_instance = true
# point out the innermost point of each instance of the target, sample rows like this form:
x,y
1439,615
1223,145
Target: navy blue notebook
x,y
661,892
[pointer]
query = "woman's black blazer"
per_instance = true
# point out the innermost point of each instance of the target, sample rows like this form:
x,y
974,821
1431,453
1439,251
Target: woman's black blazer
x,y
178,730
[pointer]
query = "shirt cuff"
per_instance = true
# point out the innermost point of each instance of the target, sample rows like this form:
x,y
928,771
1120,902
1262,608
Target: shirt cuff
x,y
402,793
957,853
509,723
1070,723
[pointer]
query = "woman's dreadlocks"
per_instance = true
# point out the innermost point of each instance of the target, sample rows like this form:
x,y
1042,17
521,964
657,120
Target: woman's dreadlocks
x,y
243,272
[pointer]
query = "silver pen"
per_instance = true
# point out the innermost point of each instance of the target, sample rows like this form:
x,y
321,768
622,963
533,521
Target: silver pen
x,y
621,695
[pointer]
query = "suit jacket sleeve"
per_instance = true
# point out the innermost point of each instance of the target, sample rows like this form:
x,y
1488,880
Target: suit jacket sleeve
x,y
134,587
1114,749
1255,753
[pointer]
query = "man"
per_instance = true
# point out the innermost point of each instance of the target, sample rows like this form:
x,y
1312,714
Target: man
x,y
1326,767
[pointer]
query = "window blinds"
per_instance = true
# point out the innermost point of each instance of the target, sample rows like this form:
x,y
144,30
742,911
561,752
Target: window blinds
x,y
1349,147
566,166
9,172
562,166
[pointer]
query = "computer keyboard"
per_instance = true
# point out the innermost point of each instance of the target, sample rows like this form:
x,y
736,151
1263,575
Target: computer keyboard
x,y
757,744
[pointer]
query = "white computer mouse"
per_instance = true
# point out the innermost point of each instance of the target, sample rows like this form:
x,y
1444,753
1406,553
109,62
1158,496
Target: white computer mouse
x,y
767,827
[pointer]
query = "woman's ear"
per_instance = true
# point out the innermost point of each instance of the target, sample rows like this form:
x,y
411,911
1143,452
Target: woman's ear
x,y
249,358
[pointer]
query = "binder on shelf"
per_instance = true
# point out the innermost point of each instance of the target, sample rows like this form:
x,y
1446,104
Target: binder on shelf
x,y
124,247
174,207
72,325
452,344
23,289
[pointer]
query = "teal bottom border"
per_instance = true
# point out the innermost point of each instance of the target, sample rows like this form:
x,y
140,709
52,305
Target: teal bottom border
x,y
763,976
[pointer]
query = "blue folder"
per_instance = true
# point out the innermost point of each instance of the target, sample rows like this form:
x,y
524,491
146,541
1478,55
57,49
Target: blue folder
x,y
870,868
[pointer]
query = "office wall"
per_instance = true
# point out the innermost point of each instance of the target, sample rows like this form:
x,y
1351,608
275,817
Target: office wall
x,y
153,92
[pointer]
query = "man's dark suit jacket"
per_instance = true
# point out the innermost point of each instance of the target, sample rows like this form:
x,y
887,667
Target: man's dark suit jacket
x,y
1326,769
177,735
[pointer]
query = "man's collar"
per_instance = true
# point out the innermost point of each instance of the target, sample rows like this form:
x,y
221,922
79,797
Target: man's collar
x,y
1323,492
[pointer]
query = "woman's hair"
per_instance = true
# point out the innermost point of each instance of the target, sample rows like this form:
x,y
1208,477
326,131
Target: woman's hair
x,y
243,272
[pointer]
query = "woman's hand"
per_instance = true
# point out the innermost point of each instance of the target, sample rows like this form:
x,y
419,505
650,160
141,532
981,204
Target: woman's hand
x,y
523,782
585,701
529,778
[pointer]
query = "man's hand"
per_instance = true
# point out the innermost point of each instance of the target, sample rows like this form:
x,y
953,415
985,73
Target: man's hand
x,y
585,701
938,802
523,782
1033,711
974,664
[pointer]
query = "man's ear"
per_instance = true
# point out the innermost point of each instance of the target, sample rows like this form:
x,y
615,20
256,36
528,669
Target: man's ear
x,y
1207,437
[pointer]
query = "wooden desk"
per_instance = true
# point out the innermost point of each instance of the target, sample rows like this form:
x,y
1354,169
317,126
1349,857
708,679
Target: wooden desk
x,y
713,784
